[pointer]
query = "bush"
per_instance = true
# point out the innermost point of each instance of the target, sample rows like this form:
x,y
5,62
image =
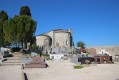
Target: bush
x,y
34,48
48,58
78,67
47,55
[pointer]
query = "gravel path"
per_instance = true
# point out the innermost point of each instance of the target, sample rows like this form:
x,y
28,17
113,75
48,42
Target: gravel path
x,y
11,72
63,70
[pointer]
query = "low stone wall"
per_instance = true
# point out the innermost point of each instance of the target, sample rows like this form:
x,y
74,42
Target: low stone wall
x,y
113,50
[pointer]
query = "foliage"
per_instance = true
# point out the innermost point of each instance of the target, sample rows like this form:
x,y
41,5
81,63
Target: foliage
x,y
10,30
34,48
25,10
78,67
46,56
80,44
3,18
29,27
19,29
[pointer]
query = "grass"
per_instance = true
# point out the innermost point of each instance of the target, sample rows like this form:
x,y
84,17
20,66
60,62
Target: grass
x,y
46,56
78,67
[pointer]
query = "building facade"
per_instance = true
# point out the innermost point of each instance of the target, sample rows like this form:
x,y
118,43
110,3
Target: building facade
x,y
55,38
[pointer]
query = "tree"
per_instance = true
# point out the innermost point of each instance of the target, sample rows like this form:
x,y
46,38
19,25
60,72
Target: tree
x,y
27,28
10,31
25,10
80,44
3,18
19,29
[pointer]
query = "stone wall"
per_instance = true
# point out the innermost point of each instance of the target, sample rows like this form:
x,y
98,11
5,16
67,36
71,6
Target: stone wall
x,y
113,50
62,39
51,34
42,40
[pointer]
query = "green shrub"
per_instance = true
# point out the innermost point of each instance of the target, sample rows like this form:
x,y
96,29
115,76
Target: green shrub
x,y
34,48
48,58
47,55
78,67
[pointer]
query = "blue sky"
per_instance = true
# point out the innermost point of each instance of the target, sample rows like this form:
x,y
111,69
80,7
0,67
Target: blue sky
x,y
95,22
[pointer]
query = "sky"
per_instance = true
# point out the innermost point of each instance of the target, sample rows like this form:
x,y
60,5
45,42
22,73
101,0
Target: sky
x,y
95,22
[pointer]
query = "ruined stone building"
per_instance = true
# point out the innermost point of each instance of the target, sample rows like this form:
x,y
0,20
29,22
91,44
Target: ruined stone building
x,y
55,38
